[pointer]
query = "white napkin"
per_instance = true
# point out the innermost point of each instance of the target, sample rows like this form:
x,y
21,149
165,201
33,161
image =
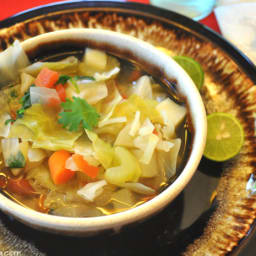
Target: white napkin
x,y
237,22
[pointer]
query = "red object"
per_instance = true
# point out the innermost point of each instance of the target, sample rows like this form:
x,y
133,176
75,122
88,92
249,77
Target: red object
x,y
82,164
57,162
211,22
11,7
61,92
46,78
20,187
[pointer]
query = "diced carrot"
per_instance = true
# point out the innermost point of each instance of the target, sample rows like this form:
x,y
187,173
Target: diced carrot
x,y
20,186
46,78
82,164
61,92
53,103
57,162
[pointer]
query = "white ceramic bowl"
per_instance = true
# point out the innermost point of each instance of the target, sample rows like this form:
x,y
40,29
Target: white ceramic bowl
x,y
155,63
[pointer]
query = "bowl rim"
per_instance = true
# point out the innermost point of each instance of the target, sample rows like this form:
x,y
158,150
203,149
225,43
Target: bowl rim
x,y
185,87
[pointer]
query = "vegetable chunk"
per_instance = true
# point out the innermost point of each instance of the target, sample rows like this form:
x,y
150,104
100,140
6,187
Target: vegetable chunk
x,y
59,173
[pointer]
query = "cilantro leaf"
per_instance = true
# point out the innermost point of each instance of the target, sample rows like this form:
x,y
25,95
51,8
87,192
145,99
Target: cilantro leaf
x,y
78,112
63,79
25,103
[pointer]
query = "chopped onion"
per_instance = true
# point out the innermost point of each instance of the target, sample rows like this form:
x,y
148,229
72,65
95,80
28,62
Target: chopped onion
x,y
43,95
71,165
91,190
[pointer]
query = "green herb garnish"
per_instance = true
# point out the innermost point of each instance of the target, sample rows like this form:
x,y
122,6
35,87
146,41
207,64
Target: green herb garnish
x,y
16,161
63,79
78,112
25,103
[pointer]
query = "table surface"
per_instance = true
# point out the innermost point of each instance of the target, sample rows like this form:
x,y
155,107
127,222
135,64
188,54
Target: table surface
x,y
11,7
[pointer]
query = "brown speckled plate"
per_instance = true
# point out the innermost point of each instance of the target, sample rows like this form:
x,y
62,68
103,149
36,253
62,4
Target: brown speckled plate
x,y
215,213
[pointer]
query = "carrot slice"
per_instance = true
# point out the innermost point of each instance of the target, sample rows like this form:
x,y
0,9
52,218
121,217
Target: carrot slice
x,y
82,164
57,162
46,78
61,92
20,186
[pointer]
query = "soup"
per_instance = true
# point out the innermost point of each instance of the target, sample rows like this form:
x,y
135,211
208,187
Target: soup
x,y
88,135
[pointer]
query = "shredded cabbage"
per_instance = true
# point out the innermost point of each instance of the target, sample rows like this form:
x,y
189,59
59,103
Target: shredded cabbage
x,y
48,134
168,160
106,75
92,92
147,144
149,170
68,65
104,152
91,190
109,107
135,103
124,138
84,147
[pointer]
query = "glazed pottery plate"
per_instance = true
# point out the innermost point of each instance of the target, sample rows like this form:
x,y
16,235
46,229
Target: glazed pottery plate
x,y
215,213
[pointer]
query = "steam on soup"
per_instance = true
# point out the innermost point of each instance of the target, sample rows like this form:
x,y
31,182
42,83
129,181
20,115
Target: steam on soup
x,y
87,136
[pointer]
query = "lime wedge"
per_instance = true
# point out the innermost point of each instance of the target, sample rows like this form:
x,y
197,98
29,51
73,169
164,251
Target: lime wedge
x,y
193,68
225,137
